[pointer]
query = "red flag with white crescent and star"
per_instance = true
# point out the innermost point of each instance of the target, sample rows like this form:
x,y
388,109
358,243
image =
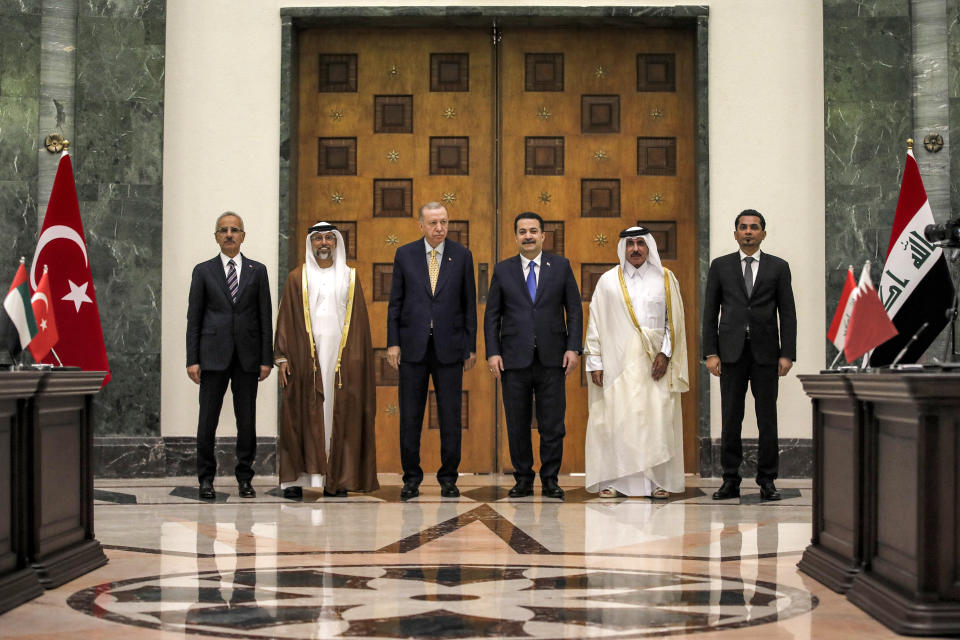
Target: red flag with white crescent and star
x,y
44,316
63,248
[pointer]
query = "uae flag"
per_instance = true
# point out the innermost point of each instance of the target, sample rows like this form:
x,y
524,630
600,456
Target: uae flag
x,y
19,323
915,286
63,248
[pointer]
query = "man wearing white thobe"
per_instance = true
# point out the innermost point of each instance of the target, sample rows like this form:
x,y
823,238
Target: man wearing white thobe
x,y
636,353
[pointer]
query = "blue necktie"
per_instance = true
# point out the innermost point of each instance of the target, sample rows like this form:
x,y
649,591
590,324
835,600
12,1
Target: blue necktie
x,y
532,281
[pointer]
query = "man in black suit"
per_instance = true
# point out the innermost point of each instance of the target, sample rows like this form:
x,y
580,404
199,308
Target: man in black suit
x,y
748,290
533,329
431,332
229,341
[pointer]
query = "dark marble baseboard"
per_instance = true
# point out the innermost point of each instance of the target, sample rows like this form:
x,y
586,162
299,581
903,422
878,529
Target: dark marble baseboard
x,y
151,457
796,458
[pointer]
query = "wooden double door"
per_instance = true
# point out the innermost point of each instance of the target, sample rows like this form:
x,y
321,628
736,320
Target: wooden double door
x,y
591,128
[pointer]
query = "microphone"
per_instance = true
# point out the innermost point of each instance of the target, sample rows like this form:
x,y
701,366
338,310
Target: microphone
x,y
909,344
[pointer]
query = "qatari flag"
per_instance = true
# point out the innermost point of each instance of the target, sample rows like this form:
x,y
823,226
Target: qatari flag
x,y
915,286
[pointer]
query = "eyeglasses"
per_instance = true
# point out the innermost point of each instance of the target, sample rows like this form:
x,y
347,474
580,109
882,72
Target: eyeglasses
x,y
230,229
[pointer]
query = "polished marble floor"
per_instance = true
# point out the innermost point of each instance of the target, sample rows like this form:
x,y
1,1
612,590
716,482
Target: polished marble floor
x,y
483,565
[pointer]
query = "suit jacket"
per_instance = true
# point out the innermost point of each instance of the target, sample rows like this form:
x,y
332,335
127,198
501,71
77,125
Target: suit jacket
x,y
216,325
452,307
513,323
726,297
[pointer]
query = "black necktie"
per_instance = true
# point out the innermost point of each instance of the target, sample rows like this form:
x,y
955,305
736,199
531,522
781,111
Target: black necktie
x,y
748,275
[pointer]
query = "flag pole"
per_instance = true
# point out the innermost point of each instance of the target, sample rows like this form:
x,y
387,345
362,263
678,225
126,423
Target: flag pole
x,y
59,362
836,360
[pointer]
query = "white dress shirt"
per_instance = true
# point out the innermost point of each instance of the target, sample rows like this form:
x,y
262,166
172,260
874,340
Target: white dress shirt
x,y
524,263
439,249
236,261
754,265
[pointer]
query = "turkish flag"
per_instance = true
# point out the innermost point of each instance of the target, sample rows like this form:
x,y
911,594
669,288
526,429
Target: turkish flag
x,y
47,335
63,249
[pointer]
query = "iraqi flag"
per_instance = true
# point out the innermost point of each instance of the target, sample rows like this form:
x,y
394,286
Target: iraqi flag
x,y
915,286
19,323
63,248
837,334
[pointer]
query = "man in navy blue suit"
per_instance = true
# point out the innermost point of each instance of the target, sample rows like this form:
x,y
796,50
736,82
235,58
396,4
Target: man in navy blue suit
x,y
229,341
533,329
431,332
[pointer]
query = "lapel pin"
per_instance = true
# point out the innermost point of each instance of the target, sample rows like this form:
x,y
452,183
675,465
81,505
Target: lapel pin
x,y
548,264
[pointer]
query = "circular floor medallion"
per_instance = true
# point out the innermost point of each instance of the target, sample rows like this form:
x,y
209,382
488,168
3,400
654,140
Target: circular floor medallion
x,y
440,601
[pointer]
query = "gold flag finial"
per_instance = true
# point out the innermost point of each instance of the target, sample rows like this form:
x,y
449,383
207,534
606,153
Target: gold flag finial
x,y
909,144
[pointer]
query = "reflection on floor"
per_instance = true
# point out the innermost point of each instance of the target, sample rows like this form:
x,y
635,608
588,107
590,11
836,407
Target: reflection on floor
x,y
483,565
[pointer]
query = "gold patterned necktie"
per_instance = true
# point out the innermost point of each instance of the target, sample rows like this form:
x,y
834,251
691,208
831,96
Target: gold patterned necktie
x,y
434,270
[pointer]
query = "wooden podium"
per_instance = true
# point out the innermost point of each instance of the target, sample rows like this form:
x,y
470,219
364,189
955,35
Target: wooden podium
x,y
836,552
900,561
18,581
46,498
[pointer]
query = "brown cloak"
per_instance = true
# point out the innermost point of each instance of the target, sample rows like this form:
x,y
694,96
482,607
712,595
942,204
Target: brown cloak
x,y
353,451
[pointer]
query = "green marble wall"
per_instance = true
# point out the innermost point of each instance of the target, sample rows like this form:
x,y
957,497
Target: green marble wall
x,y
19,106
118,153
117,157
867,118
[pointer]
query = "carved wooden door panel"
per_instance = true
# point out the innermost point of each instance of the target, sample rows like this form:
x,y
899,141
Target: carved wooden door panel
x,y
597,133
390,119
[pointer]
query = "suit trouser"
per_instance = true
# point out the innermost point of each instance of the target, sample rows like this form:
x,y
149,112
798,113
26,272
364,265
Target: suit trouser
x,y
213,385
448,385
764,382
520,386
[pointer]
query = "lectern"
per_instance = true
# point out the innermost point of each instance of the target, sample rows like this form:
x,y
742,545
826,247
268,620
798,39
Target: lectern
x,y
886,495
46,481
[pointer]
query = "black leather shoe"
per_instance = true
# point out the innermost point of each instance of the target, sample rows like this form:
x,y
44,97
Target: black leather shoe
x,y
729,489
246,489
409,490
339,493
521,490
449,490
551,490
768,491
206,490
293,493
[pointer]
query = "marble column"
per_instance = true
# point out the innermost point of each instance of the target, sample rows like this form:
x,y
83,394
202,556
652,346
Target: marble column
x,y
58,72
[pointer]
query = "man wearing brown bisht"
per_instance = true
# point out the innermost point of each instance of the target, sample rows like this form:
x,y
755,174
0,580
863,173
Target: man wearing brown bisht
x,y
325,361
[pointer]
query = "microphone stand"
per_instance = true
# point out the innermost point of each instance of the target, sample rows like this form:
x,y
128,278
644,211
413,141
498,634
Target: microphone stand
x,y
909,344
951,357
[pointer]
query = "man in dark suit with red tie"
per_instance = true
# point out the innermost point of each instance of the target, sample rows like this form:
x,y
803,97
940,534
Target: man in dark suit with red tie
x,y
533,330
431,332
229,341
747,292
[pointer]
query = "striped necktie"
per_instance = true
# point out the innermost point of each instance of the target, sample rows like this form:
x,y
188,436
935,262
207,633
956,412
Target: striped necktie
x,y
232,279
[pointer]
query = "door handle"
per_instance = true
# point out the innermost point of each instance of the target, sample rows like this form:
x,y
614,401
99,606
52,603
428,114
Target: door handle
x,y
484,285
